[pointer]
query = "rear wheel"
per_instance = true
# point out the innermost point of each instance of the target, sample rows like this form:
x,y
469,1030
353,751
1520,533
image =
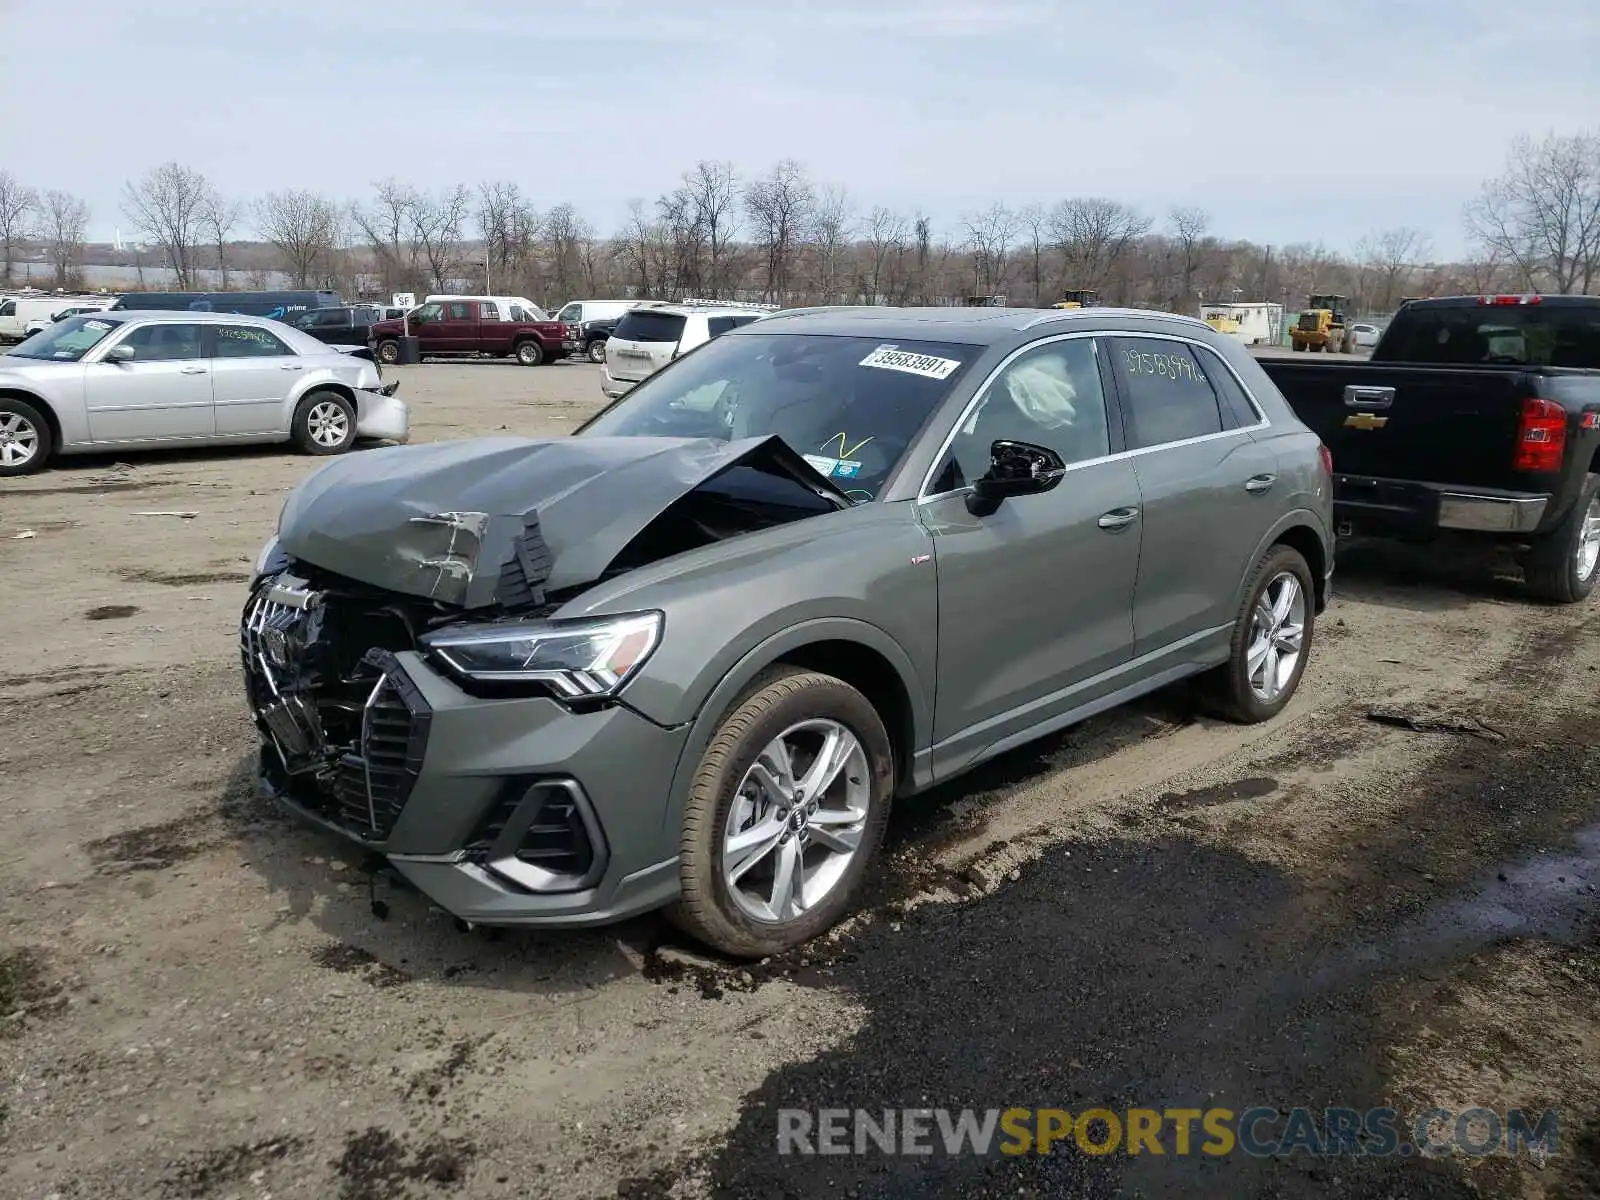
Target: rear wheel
x,y
529,353
25,440
1562,566
785,813
388,351
1271,640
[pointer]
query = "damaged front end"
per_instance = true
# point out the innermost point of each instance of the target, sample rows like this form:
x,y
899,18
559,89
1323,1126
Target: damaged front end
x,y
450,561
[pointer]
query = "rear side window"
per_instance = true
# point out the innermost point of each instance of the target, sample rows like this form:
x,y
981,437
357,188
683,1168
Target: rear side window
x,y
1166,390
247,341
458,310
716,326
738,321
1513,334
488,310
647,326
1237,411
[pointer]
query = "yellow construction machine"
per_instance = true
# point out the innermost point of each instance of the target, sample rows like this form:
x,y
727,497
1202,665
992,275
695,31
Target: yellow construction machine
x,y
1324,326
1078,299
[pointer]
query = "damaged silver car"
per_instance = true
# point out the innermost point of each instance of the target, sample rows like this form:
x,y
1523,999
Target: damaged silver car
x,y
687,657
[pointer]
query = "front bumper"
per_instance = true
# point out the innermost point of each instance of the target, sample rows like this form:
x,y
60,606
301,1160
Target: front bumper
x,y
382,414
504,811
1404,508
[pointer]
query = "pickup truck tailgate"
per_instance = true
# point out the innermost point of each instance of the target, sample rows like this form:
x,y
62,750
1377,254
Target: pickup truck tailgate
x,y
1457,427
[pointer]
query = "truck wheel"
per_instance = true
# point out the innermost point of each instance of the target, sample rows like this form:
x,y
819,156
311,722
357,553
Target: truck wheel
x,y
785,813
1562,566
389,352
324,423
1271,641
530,353
597,350
25,439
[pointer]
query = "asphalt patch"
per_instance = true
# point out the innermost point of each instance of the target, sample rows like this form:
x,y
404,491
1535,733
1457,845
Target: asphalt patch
x,y
377,1165
112,612
200,1175
353,960
1253,788
170,579
22,984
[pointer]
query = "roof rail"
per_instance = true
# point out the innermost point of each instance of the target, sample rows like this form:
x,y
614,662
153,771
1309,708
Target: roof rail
x,y
700,302
1070,314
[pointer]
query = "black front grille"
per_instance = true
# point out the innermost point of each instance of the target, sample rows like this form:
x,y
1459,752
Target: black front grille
x,y
348,732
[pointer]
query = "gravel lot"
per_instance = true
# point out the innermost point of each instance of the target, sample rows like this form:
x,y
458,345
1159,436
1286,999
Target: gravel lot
x,y
196,998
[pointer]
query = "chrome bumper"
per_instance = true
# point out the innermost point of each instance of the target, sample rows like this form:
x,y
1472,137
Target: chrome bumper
x,y
1491,514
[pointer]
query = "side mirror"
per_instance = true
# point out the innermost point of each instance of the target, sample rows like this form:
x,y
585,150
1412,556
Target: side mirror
x,y
1015,469
120,354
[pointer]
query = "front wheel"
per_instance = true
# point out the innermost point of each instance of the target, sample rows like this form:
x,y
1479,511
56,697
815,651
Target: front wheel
x,y
530,354
1271,640
597,351
785,813
1562,566
325,423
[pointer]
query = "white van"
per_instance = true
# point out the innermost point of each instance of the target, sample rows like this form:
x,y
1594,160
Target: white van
x,y
590,322
18,312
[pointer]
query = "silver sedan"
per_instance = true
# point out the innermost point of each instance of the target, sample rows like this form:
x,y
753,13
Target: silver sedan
x,y
137,380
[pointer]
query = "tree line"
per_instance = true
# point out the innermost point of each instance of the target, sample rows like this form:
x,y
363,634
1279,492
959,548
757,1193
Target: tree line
x,y
782,236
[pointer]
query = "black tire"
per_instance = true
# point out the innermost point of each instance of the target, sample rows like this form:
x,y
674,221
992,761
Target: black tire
x,y
1227,690
776,701
1298,345
596,350
1553,567
315,421
388,352
529,353
23,426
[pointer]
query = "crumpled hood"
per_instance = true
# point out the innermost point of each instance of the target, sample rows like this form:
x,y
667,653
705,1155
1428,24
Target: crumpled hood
x,y
482,522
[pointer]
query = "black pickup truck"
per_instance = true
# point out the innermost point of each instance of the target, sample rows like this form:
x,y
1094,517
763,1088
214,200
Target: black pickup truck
x,y
1476,415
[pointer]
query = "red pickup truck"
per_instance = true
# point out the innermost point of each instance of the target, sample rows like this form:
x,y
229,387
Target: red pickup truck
x,y
470,327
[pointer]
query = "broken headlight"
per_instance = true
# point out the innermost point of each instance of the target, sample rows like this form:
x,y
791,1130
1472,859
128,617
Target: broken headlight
x,y
270,561
577,660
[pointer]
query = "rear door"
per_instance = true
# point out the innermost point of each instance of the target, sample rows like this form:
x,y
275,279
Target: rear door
x,y
252,370
645,340
163,391
1207,487
458,329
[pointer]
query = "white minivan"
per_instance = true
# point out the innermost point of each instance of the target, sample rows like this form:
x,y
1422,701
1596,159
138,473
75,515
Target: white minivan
x,y
18,312
647,339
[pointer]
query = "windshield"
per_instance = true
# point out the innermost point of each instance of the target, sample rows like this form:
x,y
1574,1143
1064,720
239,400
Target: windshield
x,y
66,341
850,405
1559,335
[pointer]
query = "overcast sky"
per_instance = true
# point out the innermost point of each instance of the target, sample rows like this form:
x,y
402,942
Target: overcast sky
x,y
1288,121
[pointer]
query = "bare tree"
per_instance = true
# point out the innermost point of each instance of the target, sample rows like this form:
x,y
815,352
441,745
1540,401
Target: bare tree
x,y
1034,220
1543,212
1189,227
780,206
990,235
712,193
218,216
1389,255
633,249
436,223
19,206
1093,235
686,234
565,234
168,207
830,233
65,218
886,238
509,227
304,229
386,226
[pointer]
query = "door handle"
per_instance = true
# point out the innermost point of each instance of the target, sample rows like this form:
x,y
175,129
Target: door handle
x,y
192,371
1118,518
1257,484
1358,396
289,366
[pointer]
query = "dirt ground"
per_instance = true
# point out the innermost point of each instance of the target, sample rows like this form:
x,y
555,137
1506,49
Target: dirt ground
x,y
197,998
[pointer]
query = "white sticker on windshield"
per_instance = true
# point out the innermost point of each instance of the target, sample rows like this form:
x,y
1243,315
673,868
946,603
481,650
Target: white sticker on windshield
x,y
97,324
823,466
890,359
